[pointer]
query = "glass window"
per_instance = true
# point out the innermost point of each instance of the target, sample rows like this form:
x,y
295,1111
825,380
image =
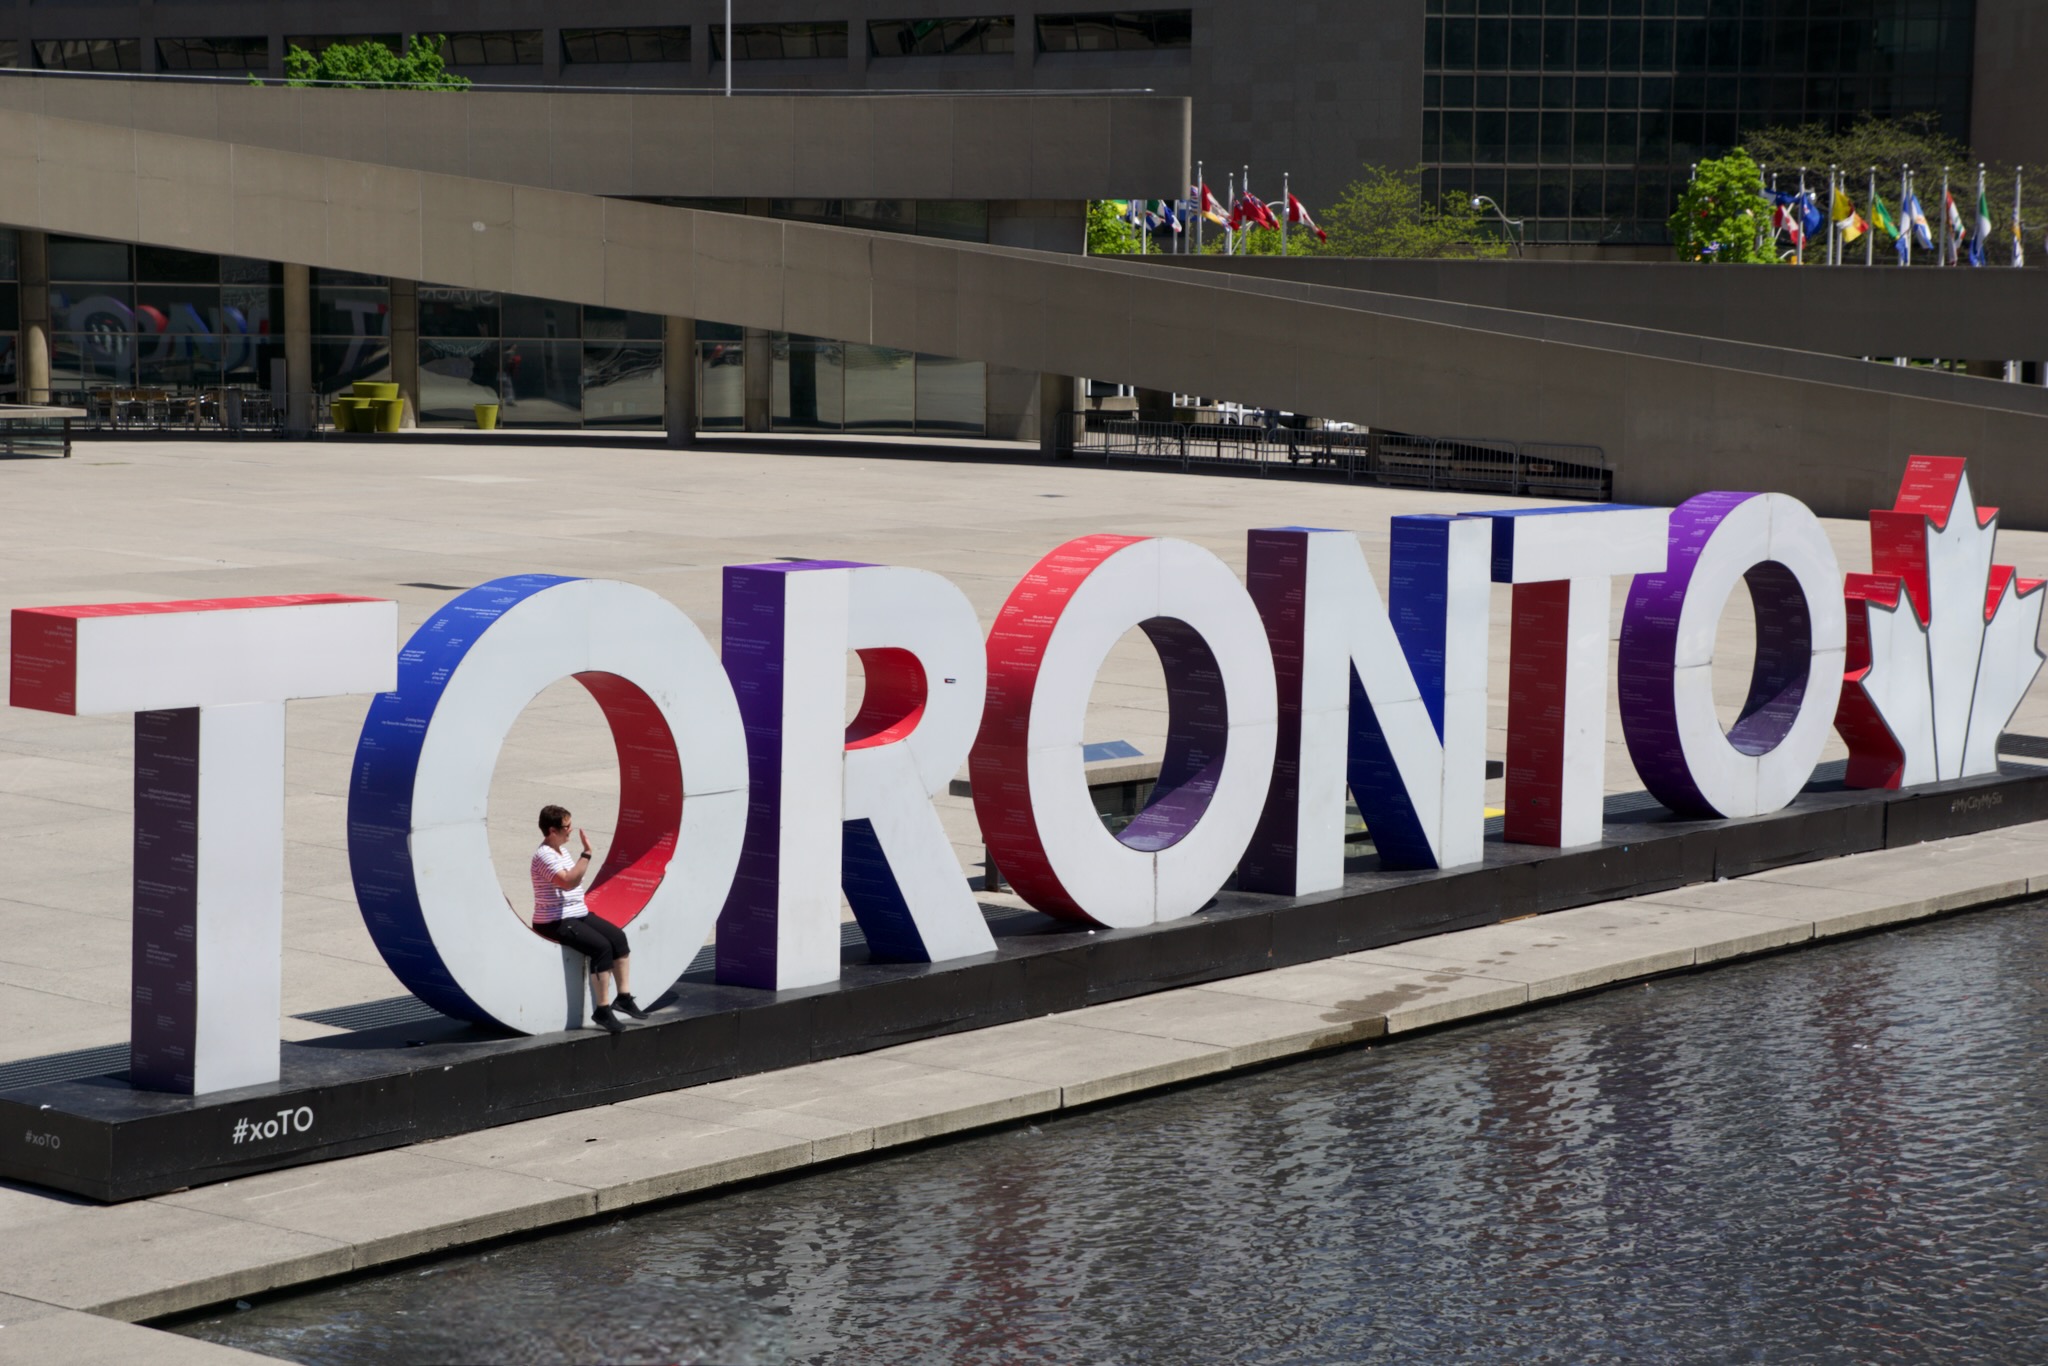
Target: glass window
x,y
10,55
339,362
242,270
454,377
1120,31
213,54
92,308
494,47
91,359
941,37
447,312
1460,44
623,386
319,43
1525,46
177,310
721,379
616,324
951,396
807,385
10,308
528,317
82,258
89,54
541,383
1492,44
961,220
780,42
1589,141
248,311
626,44
323,278
351,311
1522,129
10,254
881,389
163,265
1557,136
176,358
879,215
1490,136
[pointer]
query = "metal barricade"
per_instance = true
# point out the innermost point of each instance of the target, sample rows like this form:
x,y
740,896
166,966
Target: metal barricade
x,y
1397,459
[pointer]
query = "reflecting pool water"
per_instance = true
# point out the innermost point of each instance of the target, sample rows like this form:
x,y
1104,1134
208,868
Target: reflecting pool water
x,y
1837,1155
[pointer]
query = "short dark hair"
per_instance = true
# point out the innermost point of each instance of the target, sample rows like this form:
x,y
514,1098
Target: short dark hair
x,y
553,818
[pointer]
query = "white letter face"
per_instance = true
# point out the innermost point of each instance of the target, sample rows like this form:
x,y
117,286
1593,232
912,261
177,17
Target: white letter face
x,y
1387,698
1561,561
1775,545
1030,789
865,791
207,682
418,848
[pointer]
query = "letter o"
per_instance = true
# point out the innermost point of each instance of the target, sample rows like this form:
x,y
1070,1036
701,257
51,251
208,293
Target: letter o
x,y
1774,543
1030,788
418,848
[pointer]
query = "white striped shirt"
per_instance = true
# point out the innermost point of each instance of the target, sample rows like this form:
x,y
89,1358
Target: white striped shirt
x,y
550,902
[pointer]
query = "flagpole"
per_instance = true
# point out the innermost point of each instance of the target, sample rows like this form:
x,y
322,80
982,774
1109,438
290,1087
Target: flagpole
x,y
1906,219
1230,212
2019,243
1941,252
1870,233
1201,205
1799,228
1283,212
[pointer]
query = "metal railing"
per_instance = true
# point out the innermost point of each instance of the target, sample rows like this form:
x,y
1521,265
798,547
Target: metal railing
x,y
1528,468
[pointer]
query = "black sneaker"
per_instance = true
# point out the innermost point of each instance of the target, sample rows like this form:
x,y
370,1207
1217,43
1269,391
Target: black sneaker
x,y
624,1001
604,1016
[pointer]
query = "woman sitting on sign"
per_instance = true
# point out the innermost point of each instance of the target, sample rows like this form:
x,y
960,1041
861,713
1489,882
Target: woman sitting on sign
x,y
560,915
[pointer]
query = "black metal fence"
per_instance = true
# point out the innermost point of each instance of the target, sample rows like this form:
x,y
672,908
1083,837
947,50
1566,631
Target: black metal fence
x,y
1535,469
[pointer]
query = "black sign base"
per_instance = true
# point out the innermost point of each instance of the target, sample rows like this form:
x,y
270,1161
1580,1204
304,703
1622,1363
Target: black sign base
x,y
405,1083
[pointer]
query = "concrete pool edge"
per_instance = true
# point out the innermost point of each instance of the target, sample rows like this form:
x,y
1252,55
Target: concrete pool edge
x,y
292,1227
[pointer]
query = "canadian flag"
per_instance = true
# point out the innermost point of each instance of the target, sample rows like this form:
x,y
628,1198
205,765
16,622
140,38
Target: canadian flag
x,y
1297,212
1250,209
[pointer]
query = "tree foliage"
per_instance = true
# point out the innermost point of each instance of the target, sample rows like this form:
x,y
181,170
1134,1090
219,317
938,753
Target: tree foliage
x,y
1723,215
1109,233
1384,213
1888,145
371,65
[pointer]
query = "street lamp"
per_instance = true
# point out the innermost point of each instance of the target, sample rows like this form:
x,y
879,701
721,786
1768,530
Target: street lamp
x,y
1513,225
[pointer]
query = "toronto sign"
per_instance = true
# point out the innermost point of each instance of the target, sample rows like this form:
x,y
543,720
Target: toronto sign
x,y
748,807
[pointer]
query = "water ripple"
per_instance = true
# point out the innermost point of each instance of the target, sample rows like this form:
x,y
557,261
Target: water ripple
x,y
1834,1156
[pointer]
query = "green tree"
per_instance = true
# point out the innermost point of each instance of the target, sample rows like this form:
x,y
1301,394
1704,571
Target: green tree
x,y
1722,215
370,65
1384,213
1889,144
1108,232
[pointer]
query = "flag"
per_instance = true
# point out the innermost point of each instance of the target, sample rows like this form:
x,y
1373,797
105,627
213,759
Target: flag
x,y
1811,220
1955,232
1882,216
1206,205
1853,224
1787,218
1298,213
1161,215
2019,246
1916,218
1251,211
1982,241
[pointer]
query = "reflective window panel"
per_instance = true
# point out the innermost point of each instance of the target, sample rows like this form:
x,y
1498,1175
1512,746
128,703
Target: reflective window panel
x,y
92,308
91,359
540,383
881,389
941,37
340,361
962,220
1117,31
83,258
522,316
455,376
622,385
495,47
617,324
351,311
10,351
449,312
10,254
319,42
781,42
10,308
807,389
721,383
626,44
89,54
213,54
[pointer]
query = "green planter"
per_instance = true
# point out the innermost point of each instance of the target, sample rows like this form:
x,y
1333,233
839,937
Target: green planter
x,y
386,413
486,417
351,414
338,410
364,388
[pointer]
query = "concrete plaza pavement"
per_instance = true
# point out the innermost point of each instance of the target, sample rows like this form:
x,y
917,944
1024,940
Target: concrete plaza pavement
x,y
422,520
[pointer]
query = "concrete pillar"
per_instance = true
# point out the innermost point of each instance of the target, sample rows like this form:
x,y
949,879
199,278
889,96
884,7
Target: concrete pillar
x,y
760,380
1056,399
298,349
405,345
35,317
679,381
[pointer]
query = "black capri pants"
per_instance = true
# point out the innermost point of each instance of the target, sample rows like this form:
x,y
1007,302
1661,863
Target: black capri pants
x,y
597,939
